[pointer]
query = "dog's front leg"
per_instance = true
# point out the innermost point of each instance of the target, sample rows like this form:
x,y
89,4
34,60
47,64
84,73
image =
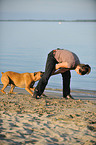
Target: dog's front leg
x,y
28,90
32,89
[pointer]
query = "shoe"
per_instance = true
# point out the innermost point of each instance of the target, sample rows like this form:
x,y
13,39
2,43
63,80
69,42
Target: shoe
x,y
69,97
35,95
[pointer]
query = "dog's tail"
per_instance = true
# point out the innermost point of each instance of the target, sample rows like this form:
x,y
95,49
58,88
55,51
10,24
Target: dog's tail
x,y
2,73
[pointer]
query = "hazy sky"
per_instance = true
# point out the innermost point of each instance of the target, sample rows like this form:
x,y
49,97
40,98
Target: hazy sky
x,y
47,9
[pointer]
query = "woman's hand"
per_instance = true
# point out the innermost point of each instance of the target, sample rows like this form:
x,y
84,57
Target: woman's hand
x,y
61,65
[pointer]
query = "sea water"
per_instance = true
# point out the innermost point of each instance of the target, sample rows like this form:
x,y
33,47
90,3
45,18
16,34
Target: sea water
x,y
24,47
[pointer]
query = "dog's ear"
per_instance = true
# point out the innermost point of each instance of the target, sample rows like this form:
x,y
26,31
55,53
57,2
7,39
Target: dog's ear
x,y
35,74
42,72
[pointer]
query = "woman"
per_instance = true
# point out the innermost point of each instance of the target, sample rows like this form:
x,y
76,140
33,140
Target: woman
x,y
61,61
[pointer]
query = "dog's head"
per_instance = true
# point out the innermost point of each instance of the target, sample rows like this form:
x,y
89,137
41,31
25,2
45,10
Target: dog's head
x,y
38,75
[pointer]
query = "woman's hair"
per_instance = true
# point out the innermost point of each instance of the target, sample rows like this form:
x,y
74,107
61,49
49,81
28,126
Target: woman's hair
x,y
84,69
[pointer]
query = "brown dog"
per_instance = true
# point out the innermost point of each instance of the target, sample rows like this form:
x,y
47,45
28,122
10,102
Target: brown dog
x,y
22,80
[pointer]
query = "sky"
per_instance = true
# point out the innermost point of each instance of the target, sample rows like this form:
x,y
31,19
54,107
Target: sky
x,y
48,9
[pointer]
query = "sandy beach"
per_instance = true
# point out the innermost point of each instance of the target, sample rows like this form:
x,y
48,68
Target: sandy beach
x,y
51,120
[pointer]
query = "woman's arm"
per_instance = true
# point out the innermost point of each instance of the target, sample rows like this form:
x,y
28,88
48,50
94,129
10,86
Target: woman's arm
x,y
61,70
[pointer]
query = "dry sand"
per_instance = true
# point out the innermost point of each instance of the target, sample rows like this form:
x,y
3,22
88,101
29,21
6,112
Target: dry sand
x,y
50,120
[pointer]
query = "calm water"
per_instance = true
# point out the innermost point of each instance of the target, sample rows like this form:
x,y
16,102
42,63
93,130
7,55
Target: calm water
x,y
24,47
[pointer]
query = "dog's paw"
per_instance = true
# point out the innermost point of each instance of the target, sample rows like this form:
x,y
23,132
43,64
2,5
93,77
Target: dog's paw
x,y
12,93
3,92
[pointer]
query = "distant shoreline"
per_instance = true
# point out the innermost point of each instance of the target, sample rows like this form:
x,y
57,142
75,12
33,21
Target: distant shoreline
x,y
44,20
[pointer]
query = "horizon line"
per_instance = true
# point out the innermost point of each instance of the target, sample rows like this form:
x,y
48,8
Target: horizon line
x,y
48,20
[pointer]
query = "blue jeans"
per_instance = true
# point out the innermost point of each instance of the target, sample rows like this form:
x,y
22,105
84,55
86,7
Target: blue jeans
x,y
50,66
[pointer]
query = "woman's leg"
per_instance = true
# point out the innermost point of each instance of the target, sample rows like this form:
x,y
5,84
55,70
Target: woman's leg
x,y
66,76
50,66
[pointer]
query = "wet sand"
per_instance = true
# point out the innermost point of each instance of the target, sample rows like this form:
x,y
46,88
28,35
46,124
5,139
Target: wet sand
x,y
49,120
